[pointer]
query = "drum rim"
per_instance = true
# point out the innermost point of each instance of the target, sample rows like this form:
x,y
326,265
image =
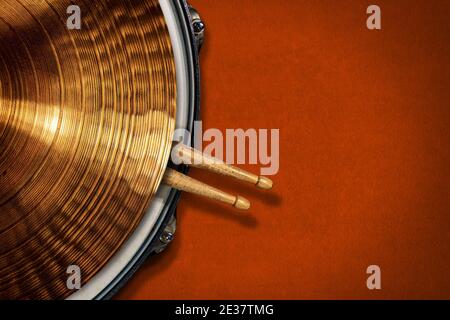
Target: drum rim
x,y
169,208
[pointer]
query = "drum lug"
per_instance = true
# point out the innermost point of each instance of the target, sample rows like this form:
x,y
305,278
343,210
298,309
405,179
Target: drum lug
x,y
198,26
167,235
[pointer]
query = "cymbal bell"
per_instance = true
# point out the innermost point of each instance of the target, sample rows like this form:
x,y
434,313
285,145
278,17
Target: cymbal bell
x,y
86,121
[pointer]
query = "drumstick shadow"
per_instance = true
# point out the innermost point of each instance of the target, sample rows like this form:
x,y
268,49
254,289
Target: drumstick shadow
x,y
268,197
222,211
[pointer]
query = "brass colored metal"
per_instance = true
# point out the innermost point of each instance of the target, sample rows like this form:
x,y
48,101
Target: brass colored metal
x,y
86,121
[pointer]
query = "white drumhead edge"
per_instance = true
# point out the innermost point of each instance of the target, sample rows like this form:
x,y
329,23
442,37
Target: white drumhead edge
x,y
129,249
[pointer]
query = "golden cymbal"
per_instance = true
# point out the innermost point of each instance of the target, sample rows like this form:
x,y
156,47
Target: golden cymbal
x,y
86,121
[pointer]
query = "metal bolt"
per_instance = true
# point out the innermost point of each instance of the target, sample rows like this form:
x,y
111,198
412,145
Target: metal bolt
x,y
166,237
199,26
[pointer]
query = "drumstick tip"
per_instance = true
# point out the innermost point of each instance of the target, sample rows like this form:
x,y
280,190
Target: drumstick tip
x,y
242,203
264,183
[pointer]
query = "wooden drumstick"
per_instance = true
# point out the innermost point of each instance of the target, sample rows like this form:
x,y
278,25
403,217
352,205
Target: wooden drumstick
x,y
195,158
182,182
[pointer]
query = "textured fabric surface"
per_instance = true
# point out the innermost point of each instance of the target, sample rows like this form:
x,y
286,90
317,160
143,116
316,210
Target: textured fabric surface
x,y
365,150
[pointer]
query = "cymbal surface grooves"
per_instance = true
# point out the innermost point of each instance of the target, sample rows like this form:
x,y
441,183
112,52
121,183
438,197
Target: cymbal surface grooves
x,y
86,121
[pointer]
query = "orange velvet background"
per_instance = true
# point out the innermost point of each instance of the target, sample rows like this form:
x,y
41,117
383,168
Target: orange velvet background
x,y
365,153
